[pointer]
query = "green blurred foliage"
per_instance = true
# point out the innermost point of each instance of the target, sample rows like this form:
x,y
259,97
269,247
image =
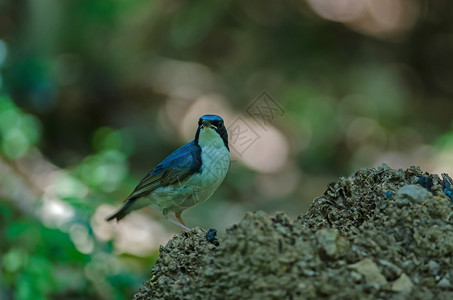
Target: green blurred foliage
x,y
18,131
92,85
38,262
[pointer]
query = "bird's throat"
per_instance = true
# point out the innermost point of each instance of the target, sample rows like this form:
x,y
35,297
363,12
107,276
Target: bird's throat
x,y
210,138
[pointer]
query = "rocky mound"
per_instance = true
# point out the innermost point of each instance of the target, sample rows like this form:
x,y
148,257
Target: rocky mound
x,y
378,234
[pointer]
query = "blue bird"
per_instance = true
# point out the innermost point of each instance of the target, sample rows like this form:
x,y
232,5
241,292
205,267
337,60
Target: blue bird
x,y
188,176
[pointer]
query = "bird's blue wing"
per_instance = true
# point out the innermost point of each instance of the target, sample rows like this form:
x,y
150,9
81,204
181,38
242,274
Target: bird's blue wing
x,y
175,167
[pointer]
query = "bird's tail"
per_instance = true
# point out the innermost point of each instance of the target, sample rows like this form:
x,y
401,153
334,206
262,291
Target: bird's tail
x,y
130,205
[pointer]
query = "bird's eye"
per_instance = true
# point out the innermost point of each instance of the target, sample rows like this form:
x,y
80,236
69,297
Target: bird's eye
x,y
217,123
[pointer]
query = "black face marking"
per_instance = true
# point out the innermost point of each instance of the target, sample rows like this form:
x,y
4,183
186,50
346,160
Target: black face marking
x,y
217,123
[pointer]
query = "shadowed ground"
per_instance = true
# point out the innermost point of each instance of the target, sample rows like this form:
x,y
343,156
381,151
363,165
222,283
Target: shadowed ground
x,y
378,234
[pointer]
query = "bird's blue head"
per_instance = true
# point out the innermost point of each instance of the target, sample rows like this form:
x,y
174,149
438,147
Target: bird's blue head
x,y
211,128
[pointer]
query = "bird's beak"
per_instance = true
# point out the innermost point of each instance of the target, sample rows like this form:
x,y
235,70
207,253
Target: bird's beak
x,y
207,124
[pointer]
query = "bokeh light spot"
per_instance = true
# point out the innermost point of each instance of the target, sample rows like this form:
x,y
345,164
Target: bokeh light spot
x,y
15,143
339,10
81,238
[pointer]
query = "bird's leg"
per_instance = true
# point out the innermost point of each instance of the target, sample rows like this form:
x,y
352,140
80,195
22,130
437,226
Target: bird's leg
x,y
178,216
176,222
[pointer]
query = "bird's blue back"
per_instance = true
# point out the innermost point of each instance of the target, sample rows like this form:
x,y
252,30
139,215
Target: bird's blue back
x,y
183,158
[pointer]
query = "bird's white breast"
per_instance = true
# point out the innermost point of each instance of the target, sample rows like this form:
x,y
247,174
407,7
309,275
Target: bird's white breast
x,y
215,164
215,159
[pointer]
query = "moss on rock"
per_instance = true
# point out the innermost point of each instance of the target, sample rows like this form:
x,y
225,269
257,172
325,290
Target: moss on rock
x,y
377,234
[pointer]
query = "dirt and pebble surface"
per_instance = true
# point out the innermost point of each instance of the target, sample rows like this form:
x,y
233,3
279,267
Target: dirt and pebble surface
x,y
377,234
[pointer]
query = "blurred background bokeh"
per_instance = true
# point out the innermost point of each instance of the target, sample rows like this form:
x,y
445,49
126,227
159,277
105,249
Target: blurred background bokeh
x,y
95,93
